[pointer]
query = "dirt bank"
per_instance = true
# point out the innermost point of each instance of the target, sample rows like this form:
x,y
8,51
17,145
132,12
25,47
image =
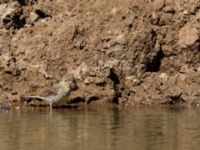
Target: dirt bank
x,y
120,51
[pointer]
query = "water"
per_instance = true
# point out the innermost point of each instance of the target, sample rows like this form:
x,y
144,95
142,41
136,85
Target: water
x,y
139,129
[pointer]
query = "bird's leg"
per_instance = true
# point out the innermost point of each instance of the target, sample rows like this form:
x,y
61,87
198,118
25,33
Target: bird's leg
x,y
50,105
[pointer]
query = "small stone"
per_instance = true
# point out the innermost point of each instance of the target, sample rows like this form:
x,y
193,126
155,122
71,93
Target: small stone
x,y
114,11
2,9
33,16
120,39
5,104
158,4
188,36
164,76
168,9
80,71
184,69
198,69
181,77
89,80
168,50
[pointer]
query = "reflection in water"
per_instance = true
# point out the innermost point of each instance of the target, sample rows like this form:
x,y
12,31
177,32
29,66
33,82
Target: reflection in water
x,y
147,128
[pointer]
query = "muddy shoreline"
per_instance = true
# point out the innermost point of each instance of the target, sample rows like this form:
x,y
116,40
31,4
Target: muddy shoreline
x,y
120,52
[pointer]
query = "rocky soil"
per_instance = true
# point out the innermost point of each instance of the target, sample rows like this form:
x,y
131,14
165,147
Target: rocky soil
x,y
125,52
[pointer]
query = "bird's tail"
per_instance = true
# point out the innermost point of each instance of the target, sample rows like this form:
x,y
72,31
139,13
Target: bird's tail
x,y
29,98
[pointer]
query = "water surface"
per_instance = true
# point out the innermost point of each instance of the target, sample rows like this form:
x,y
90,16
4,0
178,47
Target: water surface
x,y
139,129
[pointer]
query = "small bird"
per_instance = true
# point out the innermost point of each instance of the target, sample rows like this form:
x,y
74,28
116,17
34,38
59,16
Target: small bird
x,y
58,93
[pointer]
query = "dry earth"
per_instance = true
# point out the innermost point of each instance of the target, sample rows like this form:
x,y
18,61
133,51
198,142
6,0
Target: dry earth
x,y
119,51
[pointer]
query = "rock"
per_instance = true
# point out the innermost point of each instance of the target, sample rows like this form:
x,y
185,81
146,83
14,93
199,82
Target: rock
x,y
168,9
2,8
13,17
5,104
188,36
158,4
3,13
33,16
164,77
89,80
168,50
80,71
184,69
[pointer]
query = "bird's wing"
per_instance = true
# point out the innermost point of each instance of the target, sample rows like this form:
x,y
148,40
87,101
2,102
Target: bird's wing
x,y
30,98
51,92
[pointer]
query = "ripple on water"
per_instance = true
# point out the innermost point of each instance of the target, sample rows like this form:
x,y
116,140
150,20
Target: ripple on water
x,y
141,128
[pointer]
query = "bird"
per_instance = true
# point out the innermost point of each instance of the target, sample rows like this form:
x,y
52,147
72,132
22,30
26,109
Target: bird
x,y
58,93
